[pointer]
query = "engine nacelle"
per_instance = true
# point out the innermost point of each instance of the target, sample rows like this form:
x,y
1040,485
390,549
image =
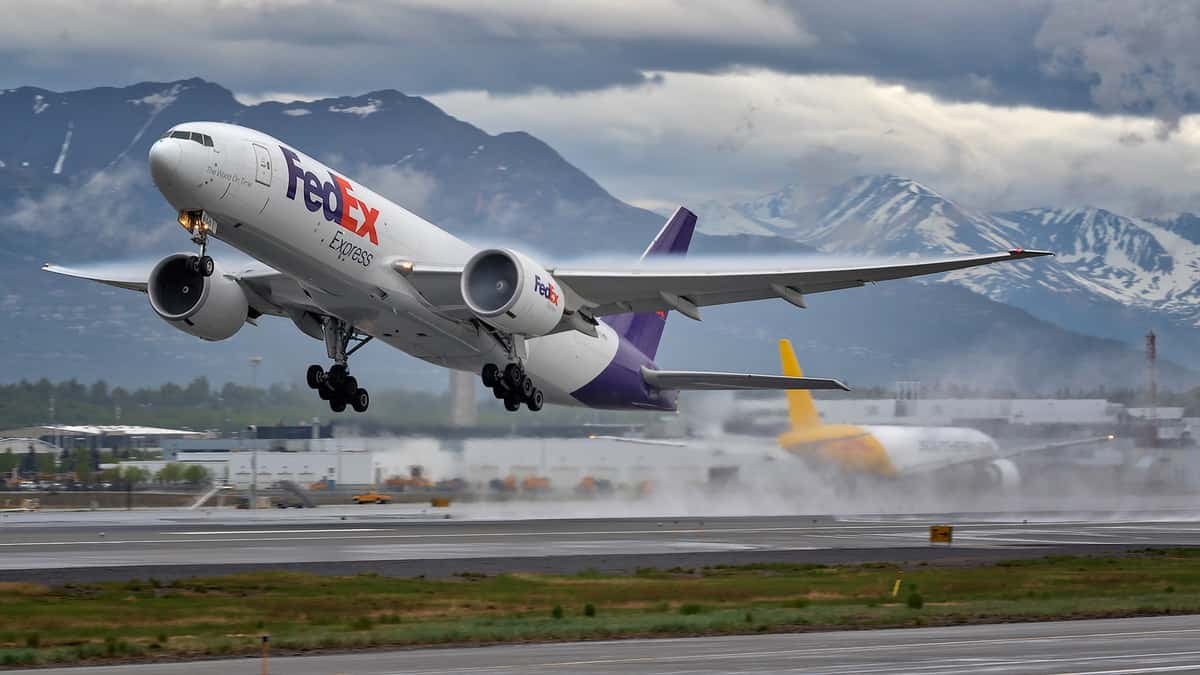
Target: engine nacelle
x,y
212,308
1000,474
511,292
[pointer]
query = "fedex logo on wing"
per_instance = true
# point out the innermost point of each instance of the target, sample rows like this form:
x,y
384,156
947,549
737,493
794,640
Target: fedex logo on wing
x,y
334,198
545,290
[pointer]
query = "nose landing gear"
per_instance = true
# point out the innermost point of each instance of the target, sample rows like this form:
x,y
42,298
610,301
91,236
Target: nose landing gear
x,y
199,225
337,385
513,386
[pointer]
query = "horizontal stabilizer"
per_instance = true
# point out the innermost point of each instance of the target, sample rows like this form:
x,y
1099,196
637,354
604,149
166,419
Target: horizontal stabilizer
x,y
700,380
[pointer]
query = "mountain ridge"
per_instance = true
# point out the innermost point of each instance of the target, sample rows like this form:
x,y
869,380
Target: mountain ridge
x,y
1107,265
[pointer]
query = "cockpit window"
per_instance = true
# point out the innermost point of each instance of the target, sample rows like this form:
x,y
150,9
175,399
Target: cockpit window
x,y
202,139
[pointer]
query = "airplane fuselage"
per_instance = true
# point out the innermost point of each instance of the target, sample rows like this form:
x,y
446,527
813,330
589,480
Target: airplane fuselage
x,y
341,242
888,450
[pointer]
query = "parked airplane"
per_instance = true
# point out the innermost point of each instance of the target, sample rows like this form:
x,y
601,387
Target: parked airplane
x,y
348,266
895,451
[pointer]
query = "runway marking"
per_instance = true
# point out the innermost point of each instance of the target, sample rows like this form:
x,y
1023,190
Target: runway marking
x,y
434,535
1132,671
823,532
300,531
951,663
830,650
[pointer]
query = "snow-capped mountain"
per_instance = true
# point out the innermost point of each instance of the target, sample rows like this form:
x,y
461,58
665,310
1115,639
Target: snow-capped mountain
x,y
1114,275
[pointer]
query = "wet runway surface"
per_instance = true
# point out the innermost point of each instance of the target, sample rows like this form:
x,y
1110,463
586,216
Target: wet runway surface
x,y
408,541
1108,647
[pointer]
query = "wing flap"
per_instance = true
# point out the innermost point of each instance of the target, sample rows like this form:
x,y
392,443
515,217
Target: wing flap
x,y
712,381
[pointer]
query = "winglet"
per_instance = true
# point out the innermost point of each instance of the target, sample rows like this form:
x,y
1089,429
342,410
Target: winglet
x,y
1019,253
801,410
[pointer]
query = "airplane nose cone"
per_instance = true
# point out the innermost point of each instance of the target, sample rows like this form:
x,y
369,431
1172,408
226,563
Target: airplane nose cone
x,y
164,161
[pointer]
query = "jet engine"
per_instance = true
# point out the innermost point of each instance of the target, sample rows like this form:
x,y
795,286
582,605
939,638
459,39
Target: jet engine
x,y
1000,474
212,308
511,292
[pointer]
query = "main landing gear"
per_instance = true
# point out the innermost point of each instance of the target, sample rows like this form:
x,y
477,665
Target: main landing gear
x,y
513,386
337,385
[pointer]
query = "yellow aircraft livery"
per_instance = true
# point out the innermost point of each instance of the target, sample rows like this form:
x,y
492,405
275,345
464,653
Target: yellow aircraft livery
x,y
887,451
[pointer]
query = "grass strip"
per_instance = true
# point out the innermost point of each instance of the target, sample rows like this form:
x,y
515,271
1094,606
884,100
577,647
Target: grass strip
x,y
211,616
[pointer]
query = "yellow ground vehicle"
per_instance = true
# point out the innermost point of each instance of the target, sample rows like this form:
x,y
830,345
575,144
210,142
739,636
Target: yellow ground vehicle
x,y
372,497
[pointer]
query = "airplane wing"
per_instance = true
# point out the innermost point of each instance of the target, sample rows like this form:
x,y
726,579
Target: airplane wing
x,y
640,441
133,280
604,292
1047,447
268,290
1008,454
708,381
617,292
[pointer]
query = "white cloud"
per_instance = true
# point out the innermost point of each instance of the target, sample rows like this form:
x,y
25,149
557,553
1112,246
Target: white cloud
x,y
689,137
237,24
1139,55
96,206
407,187
715,21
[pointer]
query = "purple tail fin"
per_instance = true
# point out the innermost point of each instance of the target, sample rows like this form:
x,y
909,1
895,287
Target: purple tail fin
x,y
644,330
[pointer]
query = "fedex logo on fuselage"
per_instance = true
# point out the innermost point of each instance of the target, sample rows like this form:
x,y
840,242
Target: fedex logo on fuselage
x,y
333,198
545,290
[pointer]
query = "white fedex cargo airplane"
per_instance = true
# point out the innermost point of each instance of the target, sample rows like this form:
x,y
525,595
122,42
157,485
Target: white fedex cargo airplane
x,y
348,266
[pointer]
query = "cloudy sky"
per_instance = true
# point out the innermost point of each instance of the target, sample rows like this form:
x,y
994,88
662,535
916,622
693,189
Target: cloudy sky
x,y
1002,105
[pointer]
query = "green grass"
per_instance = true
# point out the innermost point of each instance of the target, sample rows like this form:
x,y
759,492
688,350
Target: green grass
x,y
303,612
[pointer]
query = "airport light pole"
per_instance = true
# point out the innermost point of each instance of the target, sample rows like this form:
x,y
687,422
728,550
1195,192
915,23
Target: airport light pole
x,y
254,363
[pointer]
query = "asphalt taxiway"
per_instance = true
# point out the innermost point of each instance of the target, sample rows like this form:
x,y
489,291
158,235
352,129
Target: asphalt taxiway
x,y
410,541
1098,647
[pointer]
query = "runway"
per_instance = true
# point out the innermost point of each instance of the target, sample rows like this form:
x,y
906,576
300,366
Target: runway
x,y
410,541
1099,647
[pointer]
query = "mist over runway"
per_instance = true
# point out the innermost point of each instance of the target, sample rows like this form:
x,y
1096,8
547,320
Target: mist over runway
x,y
407,540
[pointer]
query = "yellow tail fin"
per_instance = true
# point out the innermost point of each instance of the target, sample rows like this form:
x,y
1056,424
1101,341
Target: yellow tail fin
x,y
800,403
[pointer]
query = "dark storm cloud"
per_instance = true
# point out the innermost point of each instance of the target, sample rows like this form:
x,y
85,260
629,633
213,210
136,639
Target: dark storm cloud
x,y
1106,56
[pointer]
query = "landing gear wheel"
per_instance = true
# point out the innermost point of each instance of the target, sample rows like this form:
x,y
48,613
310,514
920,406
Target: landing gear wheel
x,y
207,266
315,376
513,374
512,403
324,393
337,405
491,375
348,388
360,401
499,392
535,401
337,372
193,264
527,388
